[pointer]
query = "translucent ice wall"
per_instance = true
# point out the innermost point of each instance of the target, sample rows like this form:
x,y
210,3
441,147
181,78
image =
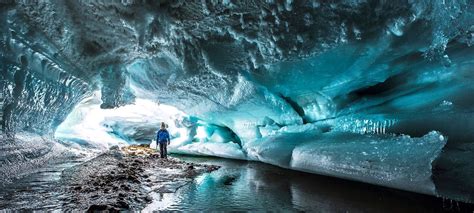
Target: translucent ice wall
x,y
91,126
252,75
401,162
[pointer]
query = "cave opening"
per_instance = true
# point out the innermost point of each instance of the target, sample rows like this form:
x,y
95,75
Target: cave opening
x,y
251,93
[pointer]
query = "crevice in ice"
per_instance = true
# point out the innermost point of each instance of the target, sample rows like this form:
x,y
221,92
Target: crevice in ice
x,y
298,109
382,91
232,136
380,88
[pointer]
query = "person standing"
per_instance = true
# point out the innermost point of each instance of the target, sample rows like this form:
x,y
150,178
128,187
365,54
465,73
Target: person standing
x,y
163,139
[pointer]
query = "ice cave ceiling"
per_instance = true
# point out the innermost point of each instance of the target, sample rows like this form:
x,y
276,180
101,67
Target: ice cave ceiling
x,y
357,76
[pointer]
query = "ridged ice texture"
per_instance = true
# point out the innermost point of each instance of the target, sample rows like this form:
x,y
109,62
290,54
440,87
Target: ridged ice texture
x,y
400,162
256,68
27,153
37,93
208,56
221,55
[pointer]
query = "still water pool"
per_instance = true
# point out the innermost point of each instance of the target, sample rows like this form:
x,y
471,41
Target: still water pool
x,y
253,186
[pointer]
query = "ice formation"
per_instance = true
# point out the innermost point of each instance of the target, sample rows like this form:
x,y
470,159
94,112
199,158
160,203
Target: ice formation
x,y
374,91
90,125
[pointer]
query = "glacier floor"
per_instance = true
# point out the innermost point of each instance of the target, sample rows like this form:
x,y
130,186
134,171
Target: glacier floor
x,y
38,191
112,180
242,186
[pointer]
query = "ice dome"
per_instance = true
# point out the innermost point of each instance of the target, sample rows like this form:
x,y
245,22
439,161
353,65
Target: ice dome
x,y
374,91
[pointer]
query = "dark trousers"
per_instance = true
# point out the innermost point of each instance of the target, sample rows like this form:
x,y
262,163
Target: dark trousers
x,y
163,150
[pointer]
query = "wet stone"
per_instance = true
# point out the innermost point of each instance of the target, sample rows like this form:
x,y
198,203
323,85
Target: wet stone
x,y
125,187
148,198
101,208
109,183
123,204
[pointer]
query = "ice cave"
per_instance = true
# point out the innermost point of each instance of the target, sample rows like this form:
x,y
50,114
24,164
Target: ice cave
x,y
264,101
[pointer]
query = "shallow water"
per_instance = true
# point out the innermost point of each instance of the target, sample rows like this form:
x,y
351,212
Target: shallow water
x,y
253,186
241,186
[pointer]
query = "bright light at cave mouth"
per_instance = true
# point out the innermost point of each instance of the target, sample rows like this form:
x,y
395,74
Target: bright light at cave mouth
x,y
379,92
201,133
94,127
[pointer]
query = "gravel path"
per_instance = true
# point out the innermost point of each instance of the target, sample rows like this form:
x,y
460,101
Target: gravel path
x,y
122,179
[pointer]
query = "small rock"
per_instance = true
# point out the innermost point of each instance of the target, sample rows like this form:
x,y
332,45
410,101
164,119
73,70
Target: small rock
x,y
132,177
125,187
100,208
148,198
123,205
115,147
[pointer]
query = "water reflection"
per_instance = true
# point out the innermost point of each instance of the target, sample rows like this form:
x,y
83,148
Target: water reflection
x,y
241,186
252,186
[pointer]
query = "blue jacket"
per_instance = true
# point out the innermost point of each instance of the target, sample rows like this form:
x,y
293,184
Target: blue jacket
x,y
162,136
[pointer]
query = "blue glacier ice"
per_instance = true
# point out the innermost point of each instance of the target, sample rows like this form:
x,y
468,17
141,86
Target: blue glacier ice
x,y
373,91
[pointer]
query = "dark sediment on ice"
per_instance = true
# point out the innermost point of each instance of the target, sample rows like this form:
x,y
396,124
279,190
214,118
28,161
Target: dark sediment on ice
x,y
122,179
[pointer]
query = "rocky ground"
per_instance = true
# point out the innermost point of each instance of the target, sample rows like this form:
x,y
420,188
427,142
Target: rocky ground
x,y
122,179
